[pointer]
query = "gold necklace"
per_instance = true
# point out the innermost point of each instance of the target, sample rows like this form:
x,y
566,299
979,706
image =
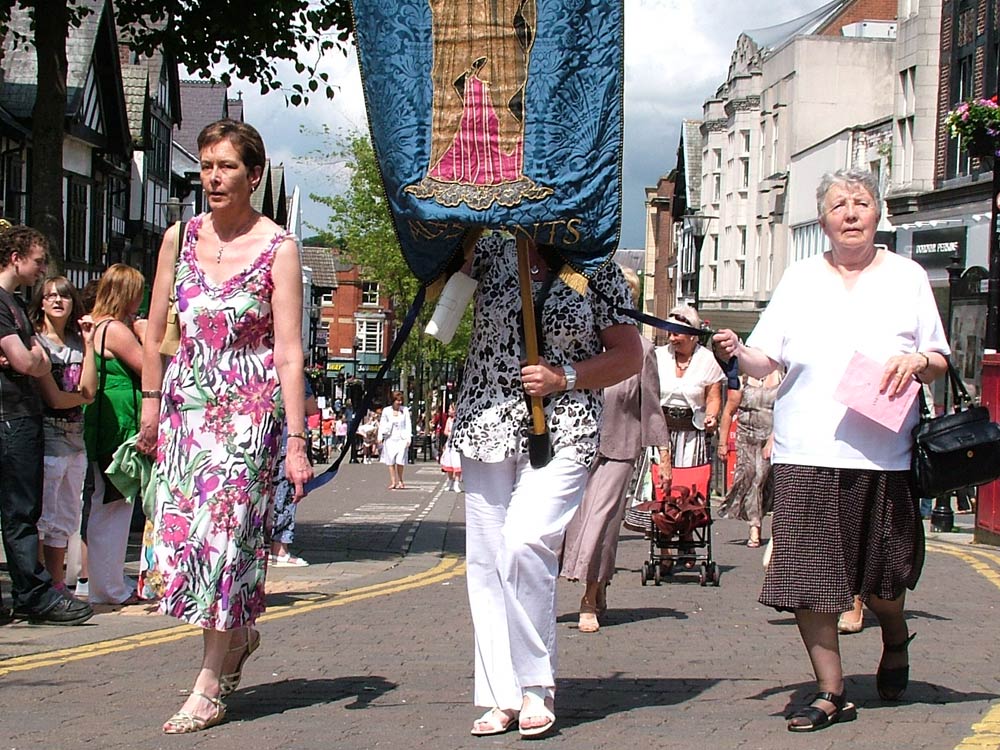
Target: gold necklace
x,y
243,230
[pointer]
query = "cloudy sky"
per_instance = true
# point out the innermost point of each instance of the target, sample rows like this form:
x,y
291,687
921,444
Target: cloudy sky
x,y
676,54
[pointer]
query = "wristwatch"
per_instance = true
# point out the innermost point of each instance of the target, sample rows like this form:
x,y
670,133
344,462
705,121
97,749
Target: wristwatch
x,y
570,374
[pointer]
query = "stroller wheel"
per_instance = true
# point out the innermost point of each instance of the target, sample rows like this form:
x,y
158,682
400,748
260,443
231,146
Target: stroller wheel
x,y
642,573
703,574
656,574
716,574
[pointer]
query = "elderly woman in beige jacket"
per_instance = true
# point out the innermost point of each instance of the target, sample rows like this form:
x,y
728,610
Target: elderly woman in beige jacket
x,y
632,421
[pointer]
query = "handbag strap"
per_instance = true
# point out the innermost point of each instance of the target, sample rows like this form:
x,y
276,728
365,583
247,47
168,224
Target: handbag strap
x,y
960,397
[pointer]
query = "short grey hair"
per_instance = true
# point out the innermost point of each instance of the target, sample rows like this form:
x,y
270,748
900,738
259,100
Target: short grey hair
x,y
851,177
687,315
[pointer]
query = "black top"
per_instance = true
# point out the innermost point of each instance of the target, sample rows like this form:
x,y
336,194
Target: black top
x,y
18,395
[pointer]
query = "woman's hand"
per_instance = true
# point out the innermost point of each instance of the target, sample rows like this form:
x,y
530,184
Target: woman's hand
x,y
899,371
542,379
86,323
711,422
297,468
726,343
149,426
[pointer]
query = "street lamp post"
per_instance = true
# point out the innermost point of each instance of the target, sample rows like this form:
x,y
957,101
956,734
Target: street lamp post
x,y
942,517
697,226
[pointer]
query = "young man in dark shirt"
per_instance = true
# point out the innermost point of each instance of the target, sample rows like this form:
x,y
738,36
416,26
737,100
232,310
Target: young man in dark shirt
x,y
23,258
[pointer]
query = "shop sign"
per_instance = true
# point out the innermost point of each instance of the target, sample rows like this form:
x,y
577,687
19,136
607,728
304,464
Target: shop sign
x,y
935,248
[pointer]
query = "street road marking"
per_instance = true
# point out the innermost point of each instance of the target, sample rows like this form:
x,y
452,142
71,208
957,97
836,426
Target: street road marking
x,y
986,733
450,567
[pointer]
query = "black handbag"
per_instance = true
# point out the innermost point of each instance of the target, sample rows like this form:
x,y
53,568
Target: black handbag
x,y
955,450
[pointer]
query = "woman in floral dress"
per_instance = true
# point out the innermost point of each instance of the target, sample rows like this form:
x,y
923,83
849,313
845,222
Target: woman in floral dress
x,y
214,417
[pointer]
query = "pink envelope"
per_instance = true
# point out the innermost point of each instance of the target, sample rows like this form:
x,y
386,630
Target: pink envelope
x,y
859,390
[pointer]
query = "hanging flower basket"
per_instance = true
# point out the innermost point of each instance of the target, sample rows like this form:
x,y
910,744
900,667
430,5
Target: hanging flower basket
x,y
977,123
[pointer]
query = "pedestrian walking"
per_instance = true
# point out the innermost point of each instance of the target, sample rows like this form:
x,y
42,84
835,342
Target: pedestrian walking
x,y
214,416
516,513
846,521
394,433
632,421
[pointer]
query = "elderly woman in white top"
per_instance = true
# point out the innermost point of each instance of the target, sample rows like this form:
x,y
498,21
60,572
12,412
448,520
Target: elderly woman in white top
x,y
516,515
690,393
846,520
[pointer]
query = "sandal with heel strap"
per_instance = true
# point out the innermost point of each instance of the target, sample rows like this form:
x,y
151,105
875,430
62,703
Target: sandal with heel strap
x,y
184,722
892,681
230,681
537,705
818,718
494,721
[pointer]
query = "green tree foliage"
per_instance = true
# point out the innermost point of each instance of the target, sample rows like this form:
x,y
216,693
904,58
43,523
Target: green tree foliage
x,y
360,225
250,36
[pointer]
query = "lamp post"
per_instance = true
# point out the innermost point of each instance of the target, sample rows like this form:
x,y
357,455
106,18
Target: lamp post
x,y
697,226
943,517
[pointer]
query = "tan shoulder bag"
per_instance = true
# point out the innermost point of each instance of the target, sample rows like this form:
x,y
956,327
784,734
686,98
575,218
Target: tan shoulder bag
x,y
172,333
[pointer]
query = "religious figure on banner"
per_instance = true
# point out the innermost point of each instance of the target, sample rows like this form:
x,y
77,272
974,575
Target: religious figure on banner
x,y
479,74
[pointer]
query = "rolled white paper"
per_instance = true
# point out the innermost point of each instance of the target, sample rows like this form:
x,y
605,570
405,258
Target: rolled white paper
x,y
450,307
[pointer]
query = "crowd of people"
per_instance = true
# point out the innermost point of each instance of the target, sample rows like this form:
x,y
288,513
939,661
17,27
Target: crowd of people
x,y
226,422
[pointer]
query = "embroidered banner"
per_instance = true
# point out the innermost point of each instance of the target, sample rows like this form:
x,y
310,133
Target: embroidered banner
x,y
504,114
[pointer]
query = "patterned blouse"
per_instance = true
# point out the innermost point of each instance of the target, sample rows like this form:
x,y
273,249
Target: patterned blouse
x,y
492,418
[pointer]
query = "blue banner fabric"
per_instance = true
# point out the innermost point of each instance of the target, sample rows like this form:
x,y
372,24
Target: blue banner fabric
x,y
504,114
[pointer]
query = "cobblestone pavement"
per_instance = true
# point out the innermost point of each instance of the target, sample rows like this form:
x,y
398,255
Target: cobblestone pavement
x,y
370,647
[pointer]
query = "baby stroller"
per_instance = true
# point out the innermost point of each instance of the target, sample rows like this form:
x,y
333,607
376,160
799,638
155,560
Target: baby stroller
x,y
680,527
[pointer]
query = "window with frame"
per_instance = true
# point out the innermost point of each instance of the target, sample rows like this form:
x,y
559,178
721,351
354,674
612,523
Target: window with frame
x,y
369,293
369,333
76,219
741,272
13,192
962,78
745,139
160,161
744,173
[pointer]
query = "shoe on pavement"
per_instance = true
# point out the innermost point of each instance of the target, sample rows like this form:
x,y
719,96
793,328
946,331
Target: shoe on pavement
x,y
288,561
82,588
65,612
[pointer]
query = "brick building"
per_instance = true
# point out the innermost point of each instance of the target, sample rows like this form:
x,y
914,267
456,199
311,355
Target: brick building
x,y
358,321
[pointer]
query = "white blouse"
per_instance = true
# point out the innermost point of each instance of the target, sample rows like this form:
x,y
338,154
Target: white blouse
x,y
688,390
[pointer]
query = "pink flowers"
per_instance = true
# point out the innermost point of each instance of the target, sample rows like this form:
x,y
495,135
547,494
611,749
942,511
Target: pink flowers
x,y
256,398
213,327
175,529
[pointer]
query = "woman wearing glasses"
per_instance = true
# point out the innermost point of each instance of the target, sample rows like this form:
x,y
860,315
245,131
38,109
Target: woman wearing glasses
x,y
69,341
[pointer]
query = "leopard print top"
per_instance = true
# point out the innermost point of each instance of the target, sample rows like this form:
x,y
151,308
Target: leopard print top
x,y
492,418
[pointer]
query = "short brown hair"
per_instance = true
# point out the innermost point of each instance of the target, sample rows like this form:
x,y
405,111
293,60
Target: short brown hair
x,y
20,240
244,138
119,286
396,396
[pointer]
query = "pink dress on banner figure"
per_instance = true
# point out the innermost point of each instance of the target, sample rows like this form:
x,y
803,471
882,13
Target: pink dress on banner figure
x,y
479,75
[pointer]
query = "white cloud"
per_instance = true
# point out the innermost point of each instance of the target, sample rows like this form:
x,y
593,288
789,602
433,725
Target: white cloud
x,y
676,55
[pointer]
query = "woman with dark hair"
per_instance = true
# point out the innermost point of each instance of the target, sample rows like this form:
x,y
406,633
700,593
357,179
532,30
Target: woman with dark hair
x,y
213,417
846,521
69,340
109,421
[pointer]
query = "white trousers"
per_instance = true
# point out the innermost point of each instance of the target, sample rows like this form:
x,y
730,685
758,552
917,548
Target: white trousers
x,y
515,520
62,501
107,542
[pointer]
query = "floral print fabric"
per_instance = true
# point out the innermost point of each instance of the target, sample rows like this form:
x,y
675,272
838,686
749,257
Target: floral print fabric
x,y
220,432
